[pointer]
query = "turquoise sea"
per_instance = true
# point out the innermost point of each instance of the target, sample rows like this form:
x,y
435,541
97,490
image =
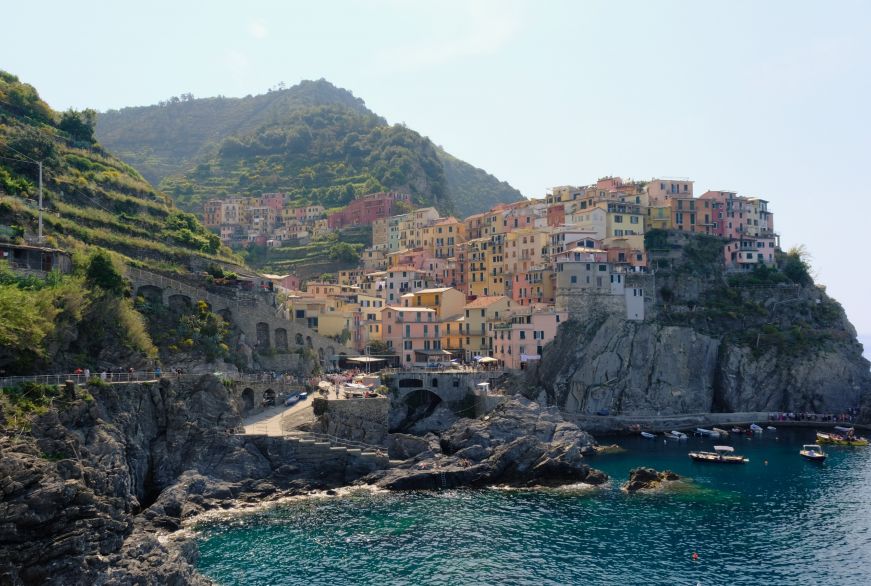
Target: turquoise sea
x,y
786,521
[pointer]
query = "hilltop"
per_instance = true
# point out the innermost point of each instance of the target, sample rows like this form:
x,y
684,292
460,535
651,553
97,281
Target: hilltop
x,y
91,197
315,141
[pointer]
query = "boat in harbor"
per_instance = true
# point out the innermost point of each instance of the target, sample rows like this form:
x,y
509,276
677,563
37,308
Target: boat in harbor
x,y
648,435
845,436
755,428
706,432
720,455
720,432
771,428
678,435
737,429
812,452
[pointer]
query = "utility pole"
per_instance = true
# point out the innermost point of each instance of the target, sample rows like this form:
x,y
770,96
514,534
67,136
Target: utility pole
x,y
39,237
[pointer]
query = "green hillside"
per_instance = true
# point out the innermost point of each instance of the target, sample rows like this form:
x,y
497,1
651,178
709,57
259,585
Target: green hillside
x,y
313,140
91,197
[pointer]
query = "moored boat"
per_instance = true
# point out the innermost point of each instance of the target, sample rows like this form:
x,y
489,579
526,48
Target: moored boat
x,y
721,432
648,435
755,428
771,428
737,429
720,455
706,432
678,435
846,437
812,452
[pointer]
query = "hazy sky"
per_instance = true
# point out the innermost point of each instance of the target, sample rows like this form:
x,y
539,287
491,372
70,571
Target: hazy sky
x,y
770,99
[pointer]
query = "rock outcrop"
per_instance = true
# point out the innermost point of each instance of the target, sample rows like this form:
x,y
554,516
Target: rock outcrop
x,y
648,479
87,495
713,347
519,443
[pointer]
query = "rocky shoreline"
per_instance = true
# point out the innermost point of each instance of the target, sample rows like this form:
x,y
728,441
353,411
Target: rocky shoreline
x,y
100,488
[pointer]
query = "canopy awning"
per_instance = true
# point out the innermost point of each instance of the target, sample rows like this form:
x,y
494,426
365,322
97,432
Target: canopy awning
x,y
365,359
724,448
488,359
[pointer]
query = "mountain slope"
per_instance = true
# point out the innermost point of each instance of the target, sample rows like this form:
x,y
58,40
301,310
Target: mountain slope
x,y
90,196
314,140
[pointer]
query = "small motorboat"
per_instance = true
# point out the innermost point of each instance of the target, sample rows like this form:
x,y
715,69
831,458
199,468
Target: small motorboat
x,y
737,429
678,435
812,452
291,400
721,432
706,432
648,435
755,428
771,428
846,437
303,396
720,455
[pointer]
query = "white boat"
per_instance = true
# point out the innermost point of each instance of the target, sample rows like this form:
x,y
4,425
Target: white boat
x,y
755,428
812,452
771,428
720,455
648,435
721,432
679,435
707,432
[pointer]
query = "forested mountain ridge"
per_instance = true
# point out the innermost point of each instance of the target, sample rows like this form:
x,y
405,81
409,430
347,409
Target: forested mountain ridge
x,y
315,141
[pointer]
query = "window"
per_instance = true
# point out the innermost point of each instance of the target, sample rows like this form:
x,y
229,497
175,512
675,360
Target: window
x,y
574,279
633,219
603,268
523,335
618,219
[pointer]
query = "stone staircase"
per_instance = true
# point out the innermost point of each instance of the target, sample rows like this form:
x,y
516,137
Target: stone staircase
x,y
315,448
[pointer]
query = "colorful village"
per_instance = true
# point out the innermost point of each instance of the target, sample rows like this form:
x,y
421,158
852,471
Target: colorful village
x,y
494,287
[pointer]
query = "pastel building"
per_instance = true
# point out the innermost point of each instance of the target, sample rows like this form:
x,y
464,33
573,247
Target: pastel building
x,y
520,339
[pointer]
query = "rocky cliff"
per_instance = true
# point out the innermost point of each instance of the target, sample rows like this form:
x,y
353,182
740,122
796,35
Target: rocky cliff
x,y
716,342
90,494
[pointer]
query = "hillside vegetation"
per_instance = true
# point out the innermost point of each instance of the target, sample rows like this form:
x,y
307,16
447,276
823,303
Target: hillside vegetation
x,y
315,141
91,197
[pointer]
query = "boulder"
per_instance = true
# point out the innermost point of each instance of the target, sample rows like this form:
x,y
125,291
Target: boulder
x,y
648,479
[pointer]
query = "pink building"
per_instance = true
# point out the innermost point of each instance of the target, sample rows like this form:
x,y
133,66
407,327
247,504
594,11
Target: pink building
x,y
521,338
365,210
414,333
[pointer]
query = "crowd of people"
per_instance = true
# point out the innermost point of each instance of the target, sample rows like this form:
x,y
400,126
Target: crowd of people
x,y
845,417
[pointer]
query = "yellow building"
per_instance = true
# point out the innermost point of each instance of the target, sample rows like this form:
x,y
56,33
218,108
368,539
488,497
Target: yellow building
x,y
479,318
446,301
659,217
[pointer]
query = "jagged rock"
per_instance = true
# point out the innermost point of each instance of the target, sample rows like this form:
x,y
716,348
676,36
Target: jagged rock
x,y
402,446
441,419
519,443
648,479
84,496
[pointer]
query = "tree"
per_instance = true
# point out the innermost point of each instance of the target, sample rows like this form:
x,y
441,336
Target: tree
x,y
102,273
79,125
796,265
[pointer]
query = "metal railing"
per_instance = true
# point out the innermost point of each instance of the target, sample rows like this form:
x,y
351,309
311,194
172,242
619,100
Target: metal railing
x,y
143,376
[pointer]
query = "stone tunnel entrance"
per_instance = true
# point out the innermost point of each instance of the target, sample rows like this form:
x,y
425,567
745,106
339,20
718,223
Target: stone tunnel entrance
x,y
247,400
416,405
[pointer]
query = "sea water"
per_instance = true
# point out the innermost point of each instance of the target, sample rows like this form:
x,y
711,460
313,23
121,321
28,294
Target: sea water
x,y
776,520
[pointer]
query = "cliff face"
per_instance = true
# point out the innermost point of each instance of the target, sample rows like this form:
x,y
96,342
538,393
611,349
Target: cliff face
x,y
715,343
86,493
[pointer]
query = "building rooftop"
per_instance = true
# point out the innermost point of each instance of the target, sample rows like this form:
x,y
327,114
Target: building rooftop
x,y
485,301
395,308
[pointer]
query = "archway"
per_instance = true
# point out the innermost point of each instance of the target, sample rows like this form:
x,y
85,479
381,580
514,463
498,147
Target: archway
x,y
247,399
268,398
299,339
262,336
308,341
151,294
179,302
281,339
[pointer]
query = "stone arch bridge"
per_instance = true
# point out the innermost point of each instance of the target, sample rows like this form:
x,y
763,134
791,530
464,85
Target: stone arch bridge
x,y
265,328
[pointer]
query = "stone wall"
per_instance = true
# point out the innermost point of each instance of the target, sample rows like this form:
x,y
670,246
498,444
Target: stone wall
x,y
359,420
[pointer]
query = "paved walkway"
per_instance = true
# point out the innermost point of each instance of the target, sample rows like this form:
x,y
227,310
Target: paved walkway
x,y
271,422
